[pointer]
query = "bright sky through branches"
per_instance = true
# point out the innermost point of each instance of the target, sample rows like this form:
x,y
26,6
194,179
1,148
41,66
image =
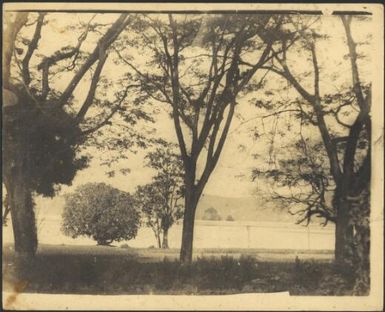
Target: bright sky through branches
x,y
232,176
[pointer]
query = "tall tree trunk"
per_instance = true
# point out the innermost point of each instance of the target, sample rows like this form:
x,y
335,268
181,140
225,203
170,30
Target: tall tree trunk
x,y
344,228
353,211
158,239
165,238
361,208
22,214
16,168
343,234
191,202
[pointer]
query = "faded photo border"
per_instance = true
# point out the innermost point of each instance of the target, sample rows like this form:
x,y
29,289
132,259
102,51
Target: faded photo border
x,y
258,301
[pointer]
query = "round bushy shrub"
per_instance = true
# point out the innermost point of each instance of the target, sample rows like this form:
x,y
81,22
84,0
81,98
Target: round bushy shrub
x,y
101,212
211,214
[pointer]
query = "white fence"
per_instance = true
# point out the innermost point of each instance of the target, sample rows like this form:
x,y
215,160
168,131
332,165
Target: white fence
x,y
210,234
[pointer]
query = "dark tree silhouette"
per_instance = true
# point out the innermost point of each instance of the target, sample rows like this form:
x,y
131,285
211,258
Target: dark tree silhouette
x,y
349,154
42,127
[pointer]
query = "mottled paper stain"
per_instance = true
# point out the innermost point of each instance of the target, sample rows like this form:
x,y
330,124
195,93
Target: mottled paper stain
x,y
17,289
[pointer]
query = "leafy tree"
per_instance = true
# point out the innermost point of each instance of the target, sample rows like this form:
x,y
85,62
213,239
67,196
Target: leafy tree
x,y
211,214
44,124
198,66
160,200
101,212
346,143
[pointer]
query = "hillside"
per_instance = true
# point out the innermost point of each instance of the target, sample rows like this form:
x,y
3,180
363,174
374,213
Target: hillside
x,y
241,209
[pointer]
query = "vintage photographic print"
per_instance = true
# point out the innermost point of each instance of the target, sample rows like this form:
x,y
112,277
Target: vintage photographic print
x,y
192,156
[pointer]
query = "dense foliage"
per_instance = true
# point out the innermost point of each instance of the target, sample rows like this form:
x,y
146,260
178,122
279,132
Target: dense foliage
x,y
101,212
49,141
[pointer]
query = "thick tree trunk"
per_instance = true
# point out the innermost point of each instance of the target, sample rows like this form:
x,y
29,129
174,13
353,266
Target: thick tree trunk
x,y
191,202
351,214
165,239
343,234
16,166
104,242
22,215
362,243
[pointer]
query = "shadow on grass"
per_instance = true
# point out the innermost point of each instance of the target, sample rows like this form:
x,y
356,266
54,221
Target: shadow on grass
x,y
89,272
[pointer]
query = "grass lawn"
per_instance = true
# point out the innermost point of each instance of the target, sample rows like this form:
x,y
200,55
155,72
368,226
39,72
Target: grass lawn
x,y
108,270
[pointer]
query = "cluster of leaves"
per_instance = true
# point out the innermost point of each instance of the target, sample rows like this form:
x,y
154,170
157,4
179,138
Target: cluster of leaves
x,y
101,212
49,140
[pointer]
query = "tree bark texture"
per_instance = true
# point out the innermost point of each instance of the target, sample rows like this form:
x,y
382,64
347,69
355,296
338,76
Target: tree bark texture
x,y
343,233
191,202
21,207
158,240
16,179
165,239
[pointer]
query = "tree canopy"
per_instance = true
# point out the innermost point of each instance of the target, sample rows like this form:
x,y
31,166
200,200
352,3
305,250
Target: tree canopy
x,y
101,212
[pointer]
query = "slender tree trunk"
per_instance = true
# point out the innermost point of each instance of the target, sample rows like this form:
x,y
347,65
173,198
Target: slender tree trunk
x,y
7,210
158,240
191,202
165,239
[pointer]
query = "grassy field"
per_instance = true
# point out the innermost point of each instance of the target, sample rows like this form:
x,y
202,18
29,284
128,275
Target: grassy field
x,y
155,254
109,270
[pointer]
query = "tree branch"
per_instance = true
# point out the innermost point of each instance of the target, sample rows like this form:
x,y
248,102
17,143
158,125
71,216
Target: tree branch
x,y
212,161
175,91
106,121
31,48
10,34
104,43
94,83
353,60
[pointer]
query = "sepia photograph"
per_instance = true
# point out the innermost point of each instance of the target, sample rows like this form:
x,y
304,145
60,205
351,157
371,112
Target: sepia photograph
x,y
192,156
